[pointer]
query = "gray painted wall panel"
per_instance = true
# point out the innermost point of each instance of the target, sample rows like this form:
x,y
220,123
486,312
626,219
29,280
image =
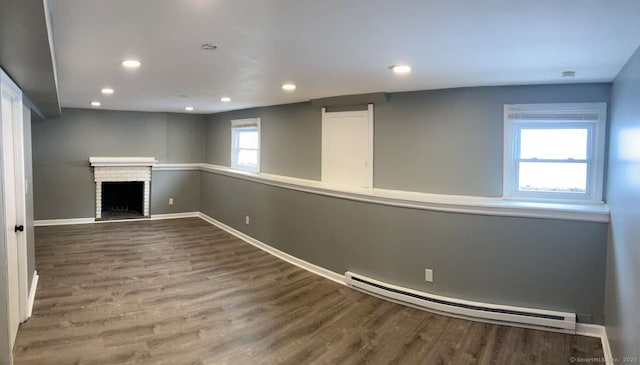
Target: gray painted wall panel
x,y
219,139
539,263
450,141
26,54
290,139
182,186
63,178
186,138
622,311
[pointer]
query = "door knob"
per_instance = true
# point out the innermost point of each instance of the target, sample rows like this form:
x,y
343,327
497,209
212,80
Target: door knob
x,y
19,228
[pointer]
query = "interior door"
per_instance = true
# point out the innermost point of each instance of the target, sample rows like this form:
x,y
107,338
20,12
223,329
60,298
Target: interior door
x,y
11,237
346,148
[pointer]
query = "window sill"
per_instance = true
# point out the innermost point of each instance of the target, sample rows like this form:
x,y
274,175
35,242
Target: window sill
x,y
591,212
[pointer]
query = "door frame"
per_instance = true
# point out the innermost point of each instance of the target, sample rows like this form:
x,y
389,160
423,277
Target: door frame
x,y
324,158
7,86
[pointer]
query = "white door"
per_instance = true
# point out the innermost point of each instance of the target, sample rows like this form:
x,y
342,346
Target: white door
x,y
347,148
12,182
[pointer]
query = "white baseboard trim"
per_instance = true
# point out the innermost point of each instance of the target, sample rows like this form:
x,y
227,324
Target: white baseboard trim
x,y
595,330
32,293
63,222
175,215
328,274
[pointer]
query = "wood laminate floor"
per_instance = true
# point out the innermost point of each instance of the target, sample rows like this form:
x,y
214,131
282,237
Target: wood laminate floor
x,y
184,292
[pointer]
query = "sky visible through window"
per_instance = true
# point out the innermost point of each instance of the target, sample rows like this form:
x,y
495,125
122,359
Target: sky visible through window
x,y
568,145
248,147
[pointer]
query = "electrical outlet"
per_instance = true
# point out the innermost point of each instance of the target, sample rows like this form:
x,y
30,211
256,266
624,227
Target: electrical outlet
x,y
428,275
170,201
246,220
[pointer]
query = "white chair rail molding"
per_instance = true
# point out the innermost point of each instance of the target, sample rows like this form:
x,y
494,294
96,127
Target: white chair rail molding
x,y
571,210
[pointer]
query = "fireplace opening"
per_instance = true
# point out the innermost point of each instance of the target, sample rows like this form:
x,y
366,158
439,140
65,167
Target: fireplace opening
x,y
121,200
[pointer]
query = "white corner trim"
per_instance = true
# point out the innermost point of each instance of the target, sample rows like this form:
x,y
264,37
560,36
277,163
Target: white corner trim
x,y
328,274
32,293
122,161
595,330
63,222
176,166
437,202
175,215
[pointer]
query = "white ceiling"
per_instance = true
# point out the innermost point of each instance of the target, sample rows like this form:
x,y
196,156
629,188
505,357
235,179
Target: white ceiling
x,y
327,47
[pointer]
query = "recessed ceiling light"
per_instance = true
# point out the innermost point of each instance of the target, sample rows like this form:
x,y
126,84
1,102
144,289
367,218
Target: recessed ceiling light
x,y
95,103
131,64
568,74
225,99
188,108
288,87
208,47
107,91
401,69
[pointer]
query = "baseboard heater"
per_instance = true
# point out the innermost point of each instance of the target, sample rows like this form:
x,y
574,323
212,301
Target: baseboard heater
x,y
484,312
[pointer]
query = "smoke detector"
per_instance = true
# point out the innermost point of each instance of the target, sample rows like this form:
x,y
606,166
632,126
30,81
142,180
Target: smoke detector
x,y
208,47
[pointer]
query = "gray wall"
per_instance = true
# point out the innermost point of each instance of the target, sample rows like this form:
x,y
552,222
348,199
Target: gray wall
x,y
441,141
182,186
450,141
186,138
63,179
290,139
622,308
25,52
539,263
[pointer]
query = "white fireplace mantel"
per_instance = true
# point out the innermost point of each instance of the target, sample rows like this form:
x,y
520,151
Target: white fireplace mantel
x,y
122,161
122,169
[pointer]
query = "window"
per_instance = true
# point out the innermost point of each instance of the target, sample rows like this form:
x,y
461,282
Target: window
x,y
245,144
554,151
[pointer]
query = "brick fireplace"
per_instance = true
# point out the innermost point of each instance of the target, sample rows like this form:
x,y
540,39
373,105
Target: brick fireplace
x,y
122,170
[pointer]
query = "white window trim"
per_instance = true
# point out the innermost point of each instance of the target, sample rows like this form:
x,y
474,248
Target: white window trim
x,y
595,174
239,124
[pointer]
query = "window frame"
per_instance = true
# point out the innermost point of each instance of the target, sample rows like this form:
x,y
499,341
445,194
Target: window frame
x,y
591,116
238,125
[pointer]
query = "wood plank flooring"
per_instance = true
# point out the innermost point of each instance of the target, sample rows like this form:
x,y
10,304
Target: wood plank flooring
x,y
184,292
